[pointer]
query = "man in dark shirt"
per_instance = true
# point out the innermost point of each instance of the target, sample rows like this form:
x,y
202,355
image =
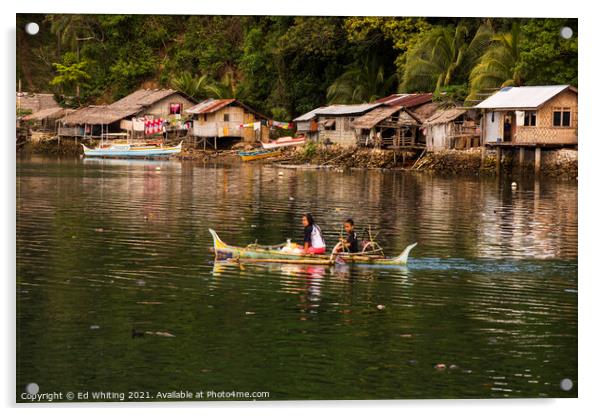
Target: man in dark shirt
x,y
350,243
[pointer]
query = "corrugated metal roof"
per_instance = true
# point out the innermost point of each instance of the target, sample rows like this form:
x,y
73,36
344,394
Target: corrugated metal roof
x,y
523,97
406,100
309,115
210,105
345,109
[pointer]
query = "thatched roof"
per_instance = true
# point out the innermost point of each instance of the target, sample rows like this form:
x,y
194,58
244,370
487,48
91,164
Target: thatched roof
x,y
424,111
144,98
372,118
444,116
99,114
52,112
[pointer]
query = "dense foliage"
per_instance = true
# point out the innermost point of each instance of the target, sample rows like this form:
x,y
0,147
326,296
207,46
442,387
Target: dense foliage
x,y
285,66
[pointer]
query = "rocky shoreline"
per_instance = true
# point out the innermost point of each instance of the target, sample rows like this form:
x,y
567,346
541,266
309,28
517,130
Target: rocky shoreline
x,y
560,163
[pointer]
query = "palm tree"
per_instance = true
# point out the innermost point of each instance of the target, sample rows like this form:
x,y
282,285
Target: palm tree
x,y
442,56
362,82
199,88
498,67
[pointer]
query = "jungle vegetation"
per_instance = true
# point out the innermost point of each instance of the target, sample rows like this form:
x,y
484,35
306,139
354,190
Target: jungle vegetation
x,y
285,66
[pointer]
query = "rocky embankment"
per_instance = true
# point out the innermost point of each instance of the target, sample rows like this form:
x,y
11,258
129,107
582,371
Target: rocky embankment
x,y
561,163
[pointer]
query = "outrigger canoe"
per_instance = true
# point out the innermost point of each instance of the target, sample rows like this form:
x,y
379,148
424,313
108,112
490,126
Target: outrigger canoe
x,y
371,254
131,150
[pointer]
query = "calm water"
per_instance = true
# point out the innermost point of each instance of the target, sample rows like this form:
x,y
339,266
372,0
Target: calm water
x,y
105,247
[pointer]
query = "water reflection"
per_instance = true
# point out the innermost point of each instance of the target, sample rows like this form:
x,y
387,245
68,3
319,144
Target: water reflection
x,y
491,287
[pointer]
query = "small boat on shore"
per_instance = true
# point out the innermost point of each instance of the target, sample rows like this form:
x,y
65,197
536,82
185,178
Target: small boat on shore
x,y
371,254
258,154
132,150
284,142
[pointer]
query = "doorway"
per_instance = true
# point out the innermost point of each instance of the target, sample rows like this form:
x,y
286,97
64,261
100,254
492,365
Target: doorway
x,y
509,126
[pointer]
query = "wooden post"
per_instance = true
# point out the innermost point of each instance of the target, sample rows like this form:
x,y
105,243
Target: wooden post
x,y
483,155
498,160
537,160
521,157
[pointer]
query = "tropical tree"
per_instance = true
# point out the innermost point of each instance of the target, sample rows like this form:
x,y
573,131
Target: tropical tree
x,y
362,82
443,56
72,72
499,65
198,88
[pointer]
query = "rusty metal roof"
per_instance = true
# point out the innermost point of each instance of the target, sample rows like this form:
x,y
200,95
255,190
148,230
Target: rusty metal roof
x,y
406,100
210,105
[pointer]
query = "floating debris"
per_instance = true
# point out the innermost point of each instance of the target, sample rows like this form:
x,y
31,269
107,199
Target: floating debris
x,y
249,313
94,327
440,366
380,307
161,334
99,230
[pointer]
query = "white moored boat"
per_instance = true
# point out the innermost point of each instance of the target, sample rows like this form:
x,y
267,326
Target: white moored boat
x,y
132,150
284,142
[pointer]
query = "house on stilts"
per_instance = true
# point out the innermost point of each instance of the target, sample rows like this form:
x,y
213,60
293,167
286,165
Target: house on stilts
x,y
223,119
128,117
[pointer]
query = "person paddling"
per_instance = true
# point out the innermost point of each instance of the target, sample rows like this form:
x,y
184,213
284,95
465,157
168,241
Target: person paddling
x,y
350,243
313,242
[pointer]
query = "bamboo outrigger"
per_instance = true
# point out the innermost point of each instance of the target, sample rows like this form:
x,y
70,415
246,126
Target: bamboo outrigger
x,y
254,253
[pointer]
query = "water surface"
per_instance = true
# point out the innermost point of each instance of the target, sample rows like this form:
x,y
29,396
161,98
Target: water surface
x,y
107,247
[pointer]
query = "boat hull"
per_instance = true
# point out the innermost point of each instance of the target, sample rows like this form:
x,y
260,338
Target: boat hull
x,y
255,155
225,252
276,144
133,151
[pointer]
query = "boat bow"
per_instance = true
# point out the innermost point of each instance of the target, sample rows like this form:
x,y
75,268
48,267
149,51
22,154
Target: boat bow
x,y
403,257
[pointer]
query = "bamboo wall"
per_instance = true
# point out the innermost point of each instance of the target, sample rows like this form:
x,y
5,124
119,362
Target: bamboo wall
x,y
161,107
545,131
215,126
